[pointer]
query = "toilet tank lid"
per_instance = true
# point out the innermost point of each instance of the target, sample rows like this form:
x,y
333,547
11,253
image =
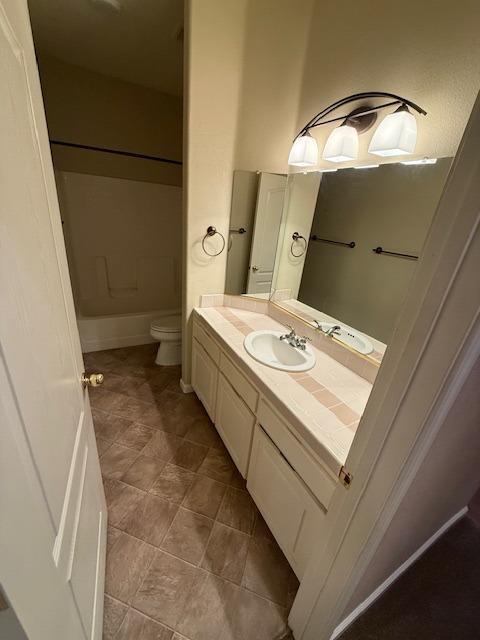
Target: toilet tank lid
x,y
167,323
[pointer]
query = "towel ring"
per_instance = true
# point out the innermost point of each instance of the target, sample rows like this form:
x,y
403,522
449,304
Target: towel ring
x,y
211,231
296,236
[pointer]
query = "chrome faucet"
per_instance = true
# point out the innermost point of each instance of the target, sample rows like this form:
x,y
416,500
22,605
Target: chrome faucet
x,y
333,331
293,340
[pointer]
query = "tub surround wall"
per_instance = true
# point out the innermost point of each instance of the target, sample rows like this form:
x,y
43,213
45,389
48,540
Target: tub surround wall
x,y
123,243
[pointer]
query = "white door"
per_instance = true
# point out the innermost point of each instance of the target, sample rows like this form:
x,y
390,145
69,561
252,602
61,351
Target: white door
x,y
268,216
52,506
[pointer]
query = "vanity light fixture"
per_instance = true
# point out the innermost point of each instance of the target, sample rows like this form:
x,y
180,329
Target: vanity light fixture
x,y
304,151
396,134
342,144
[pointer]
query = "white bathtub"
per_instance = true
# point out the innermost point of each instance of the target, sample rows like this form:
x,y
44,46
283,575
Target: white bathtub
x,y
112,332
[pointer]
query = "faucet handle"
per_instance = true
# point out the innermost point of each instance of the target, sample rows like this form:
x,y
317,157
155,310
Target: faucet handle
x,y
306,339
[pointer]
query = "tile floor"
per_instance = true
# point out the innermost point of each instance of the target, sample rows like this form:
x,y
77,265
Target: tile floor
x,y
188,554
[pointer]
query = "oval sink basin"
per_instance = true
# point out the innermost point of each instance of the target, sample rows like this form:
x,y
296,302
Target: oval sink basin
x,y
352,339
267,348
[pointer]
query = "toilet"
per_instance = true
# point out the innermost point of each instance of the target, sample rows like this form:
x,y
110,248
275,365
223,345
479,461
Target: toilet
x,y
167,330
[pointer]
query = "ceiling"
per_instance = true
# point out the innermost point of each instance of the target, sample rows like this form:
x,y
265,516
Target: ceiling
x,y
141,42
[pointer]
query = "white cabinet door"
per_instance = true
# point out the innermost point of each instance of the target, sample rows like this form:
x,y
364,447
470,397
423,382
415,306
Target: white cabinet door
x,y
52,505
289,509
204,378
235,423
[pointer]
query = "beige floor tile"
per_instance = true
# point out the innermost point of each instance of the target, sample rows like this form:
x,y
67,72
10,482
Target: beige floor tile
x,y
173,483
112,536
165,589
237,510
267,571
121,499
138,627
108,426
237,480
128,385
116,460
133,408
127,564
209,608
226,553
163,446
143,472
254,617
217,465
190,455
136,436
261,529
203,432
205,496
104,400
188,536
102,446
150,519
113,614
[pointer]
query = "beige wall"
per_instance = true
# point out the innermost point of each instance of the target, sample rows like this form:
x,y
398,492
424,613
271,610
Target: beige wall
x,y
301,197
243,71
257,70
391,206
275,43
214,31
445,484
88,108
427,52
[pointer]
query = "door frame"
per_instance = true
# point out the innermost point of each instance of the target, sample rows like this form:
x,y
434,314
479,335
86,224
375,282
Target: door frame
x,y
433,349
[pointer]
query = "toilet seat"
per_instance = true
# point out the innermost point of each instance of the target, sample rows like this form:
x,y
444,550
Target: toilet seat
x,y
166,324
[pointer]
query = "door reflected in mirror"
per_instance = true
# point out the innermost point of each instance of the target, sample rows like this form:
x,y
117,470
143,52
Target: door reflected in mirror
x,y
365,230
255,222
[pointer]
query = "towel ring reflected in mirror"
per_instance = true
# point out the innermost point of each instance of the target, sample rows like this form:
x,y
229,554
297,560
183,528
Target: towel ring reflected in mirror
x,y
211,231
295,238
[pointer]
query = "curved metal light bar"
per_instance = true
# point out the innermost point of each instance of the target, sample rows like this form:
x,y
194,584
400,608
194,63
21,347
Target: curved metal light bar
x,y
318,120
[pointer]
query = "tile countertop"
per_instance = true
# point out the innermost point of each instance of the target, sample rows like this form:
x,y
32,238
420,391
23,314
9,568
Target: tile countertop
x,y
323,404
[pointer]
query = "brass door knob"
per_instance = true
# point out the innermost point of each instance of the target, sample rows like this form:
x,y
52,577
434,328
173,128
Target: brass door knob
x,y
92,379
254,269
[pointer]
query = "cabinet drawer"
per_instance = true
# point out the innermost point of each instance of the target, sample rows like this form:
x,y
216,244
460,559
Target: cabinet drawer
x,y
289,509
204,378
235,423
207,342
320,482
238,381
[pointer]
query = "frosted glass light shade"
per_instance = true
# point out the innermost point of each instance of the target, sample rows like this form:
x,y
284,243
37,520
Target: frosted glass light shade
x,y
304,152
396,135
342,144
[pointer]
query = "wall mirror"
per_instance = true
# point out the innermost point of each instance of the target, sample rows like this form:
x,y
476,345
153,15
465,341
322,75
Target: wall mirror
x,y
255,230
349,244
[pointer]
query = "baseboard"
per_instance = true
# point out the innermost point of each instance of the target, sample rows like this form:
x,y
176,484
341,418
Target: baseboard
x,y
186,388
395,575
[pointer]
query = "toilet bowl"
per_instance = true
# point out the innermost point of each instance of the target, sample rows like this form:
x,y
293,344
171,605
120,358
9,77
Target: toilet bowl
x,y
167,330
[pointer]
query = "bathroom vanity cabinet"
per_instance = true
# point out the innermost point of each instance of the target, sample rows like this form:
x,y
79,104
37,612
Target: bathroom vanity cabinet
x,y
289,484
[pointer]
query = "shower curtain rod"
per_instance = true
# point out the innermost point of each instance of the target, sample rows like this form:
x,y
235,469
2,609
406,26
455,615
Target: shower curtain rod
x,y
117,152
